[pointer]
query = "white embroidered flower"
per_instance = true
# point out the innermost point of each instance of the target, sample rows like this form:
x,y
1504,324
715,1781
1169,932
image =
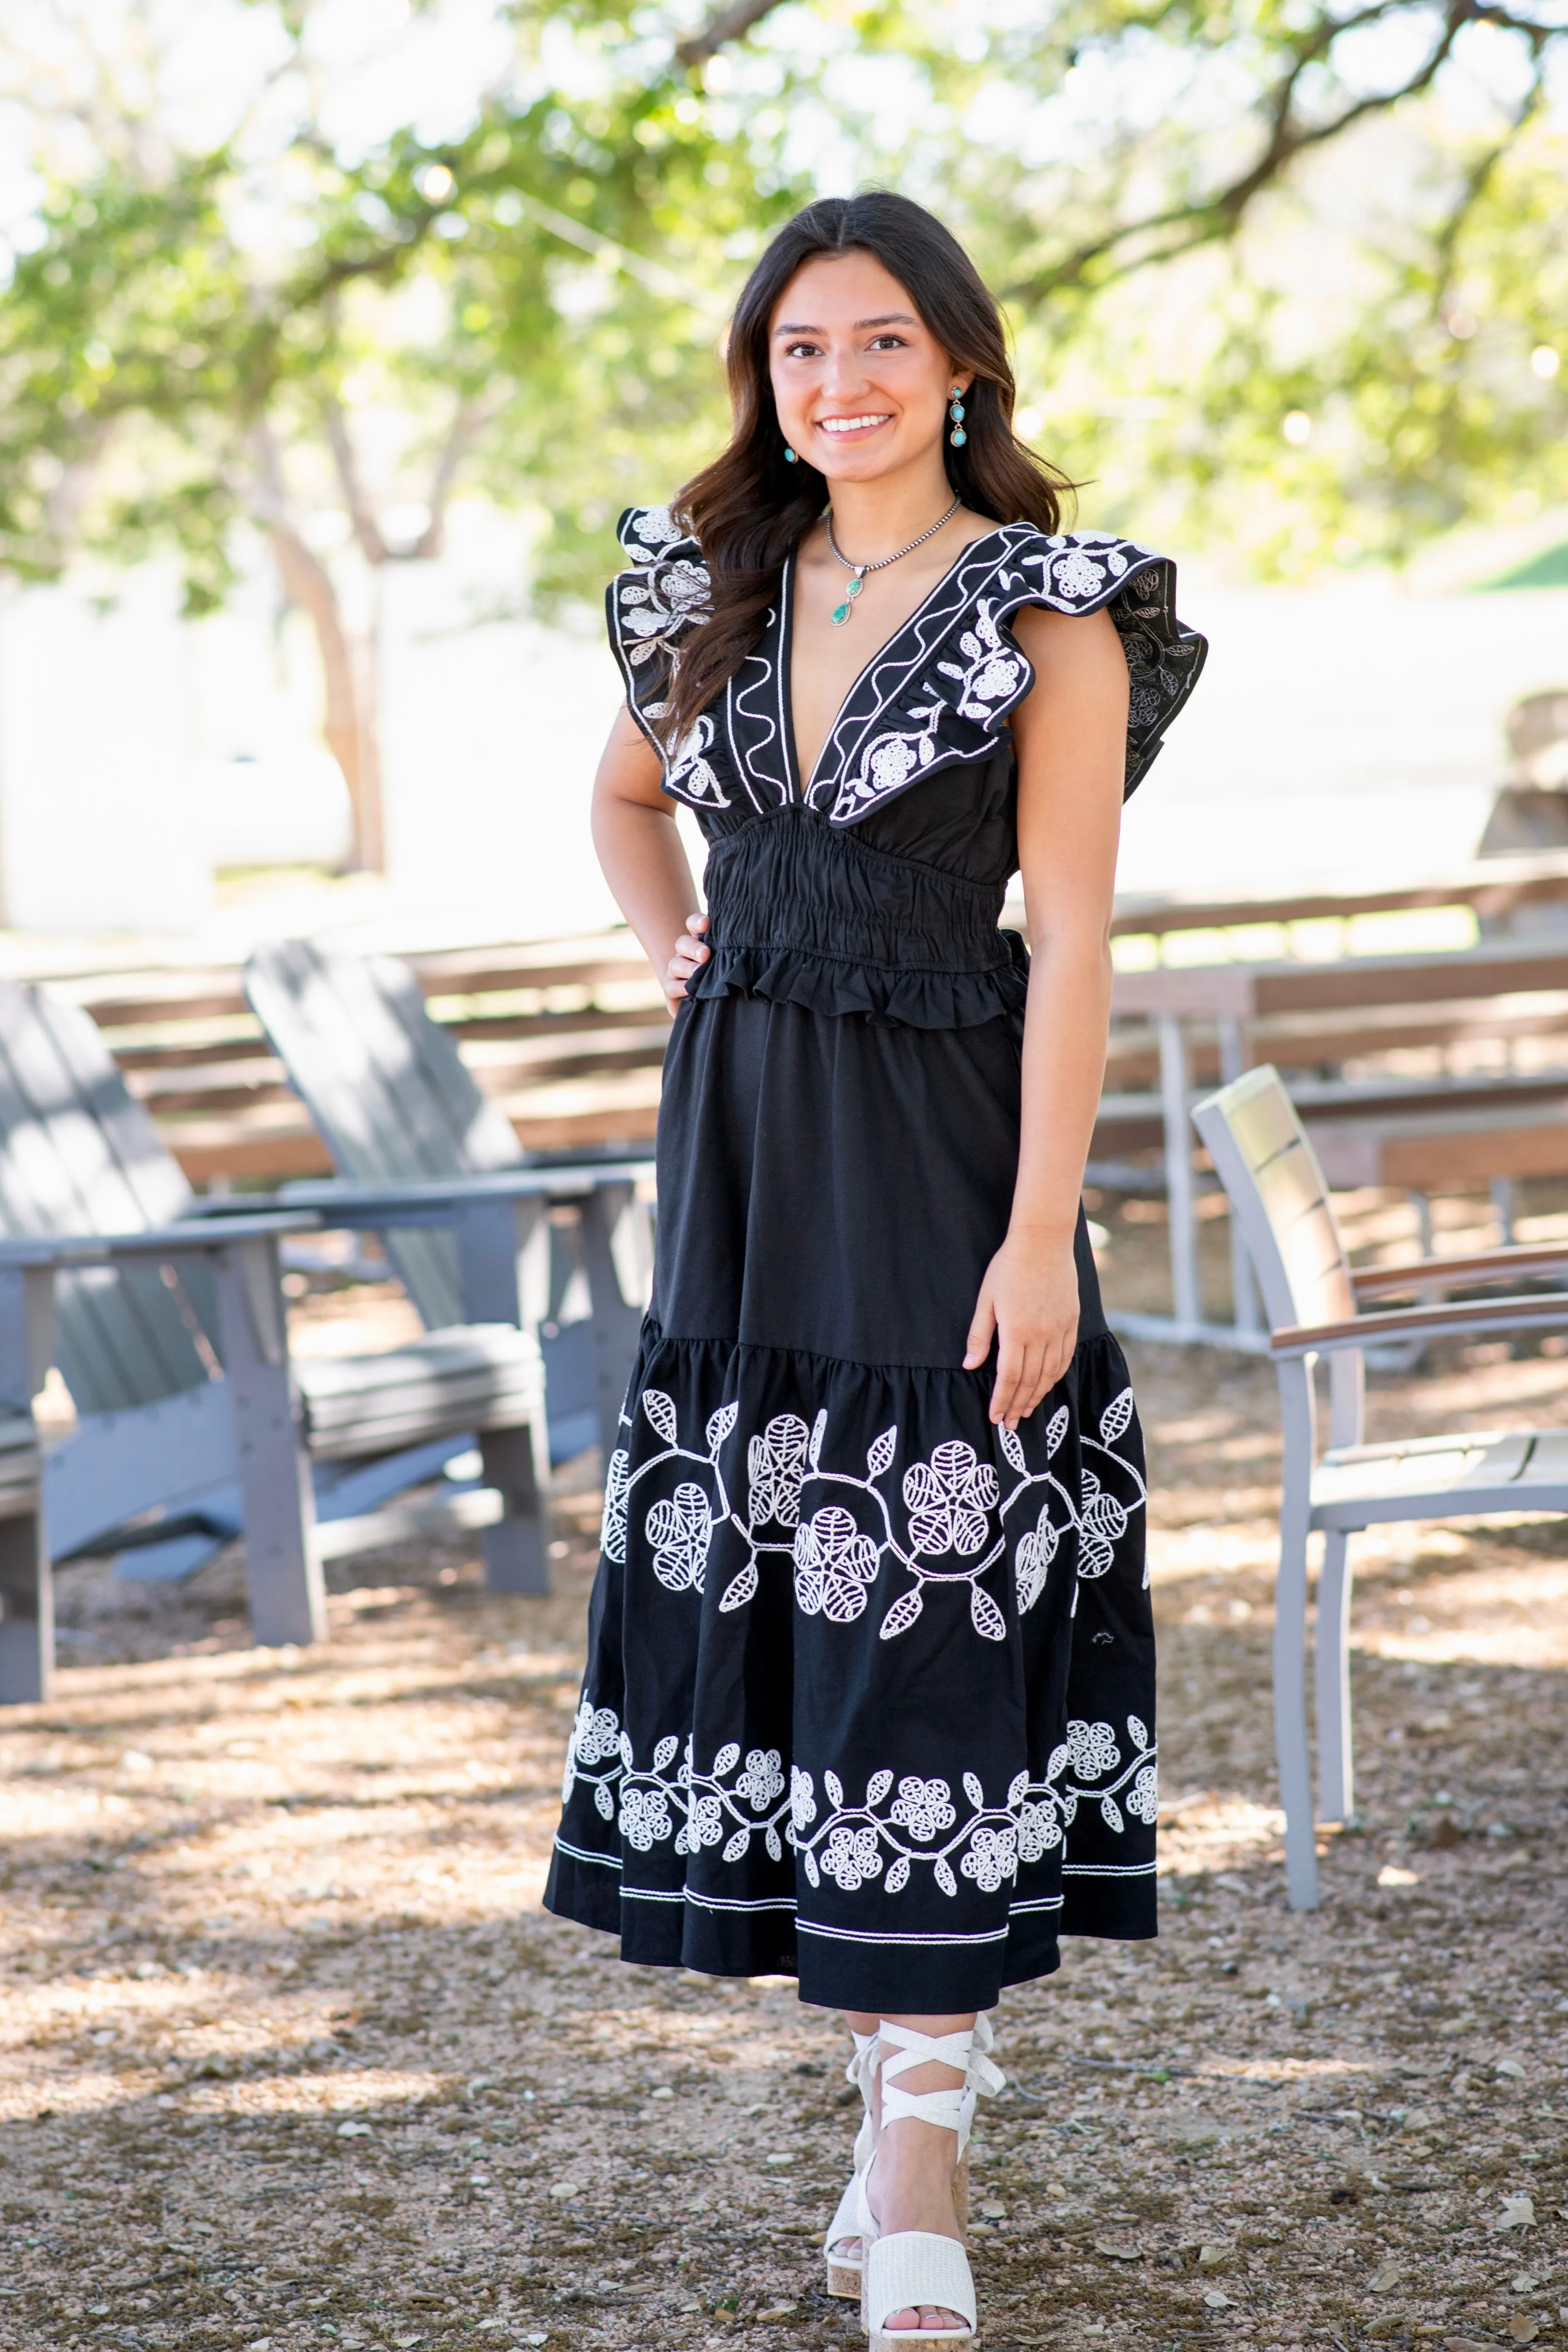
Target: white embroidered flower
x,y
924,1808
705,1822
613,1526
802,1797
684,585
950,1498
644,1818
1074,576
998,677
1101,1525
853,1855
596,1733
656,526
1143,1800
1032,1560
762,1779
1038,1830
834,1563
890,761
775,1465
689,768
1093,1748
681,1528
993,1856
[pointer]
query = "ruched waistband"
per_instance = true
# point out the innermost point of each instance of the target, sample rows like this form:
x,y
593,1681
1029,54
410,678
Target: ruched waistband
x,y
813,916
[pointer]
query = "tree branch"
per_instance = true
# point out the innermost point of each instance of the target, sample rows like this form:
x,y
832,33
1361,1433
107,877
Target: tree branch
x,y
361,514
431,542
726,25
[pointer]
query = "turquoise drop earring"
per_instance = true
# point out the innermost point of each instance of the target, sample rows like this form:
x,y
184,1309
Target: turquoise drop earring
x,y
958,436
791,456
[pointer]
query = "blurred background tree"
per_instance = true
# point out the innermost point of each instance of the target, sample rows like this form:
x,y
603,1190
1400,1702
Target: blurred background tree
x,y
1288,280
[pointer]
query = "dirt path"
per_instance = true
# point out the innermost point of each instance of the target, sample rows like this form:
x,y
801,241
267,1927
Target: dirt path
x,y
290,2057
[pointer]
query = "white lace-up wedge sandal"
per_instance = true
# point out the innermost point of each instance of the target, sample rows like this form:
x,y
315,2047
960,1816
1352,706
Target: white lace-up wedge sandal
x,y
912,2267
845,2245
843,2242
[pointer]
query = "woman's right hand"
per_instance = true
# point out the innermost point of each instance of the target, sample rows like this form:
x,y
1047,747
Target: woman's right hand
x,y
690,956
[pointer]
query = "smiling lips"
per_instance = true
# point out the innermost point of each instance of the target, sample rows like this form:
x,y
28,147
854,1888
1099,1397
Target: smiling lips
x,y
842,427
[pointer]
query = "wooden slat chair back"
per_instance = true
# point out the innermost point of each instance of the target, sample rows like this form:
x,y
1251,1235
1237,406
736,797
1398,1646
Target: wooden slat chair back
x,y
1281,1203
387,1090
78,1154
395,1103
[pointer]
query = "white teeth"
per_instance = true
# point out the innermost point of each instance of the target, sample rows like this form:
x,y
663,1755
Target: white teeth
x,y
841,425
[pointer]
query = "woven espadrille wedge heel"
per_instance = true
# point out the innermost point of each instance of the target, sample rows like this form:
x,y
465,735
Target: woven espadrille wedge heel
x,y
910,2267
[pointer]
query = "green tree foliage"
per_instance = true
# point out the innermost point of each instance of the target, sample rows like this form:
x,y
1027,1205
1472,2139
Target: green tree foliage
x,y
1285,274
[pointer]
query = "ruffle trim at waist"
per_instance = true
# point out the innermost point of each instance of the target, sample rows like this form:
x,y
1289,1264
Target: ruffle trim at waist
x,y
910,996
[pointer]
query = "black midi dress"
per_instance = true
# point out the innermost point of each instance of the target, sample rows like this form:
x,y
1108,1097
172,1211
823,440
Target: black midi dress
x,y
870,1690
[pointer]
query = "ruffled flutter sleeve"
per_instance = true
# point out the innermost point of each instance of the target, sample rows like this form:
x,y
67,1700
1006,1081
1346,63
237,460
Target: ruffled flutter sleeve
x,y
650,606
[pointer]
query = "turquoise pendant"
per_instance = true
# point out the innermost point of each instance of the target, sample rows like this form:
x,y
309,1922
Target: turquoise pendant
x,y
841,612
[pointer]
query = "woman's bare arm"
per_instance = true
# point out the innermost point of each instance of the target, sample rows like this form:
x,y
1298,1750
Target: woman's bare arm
x,y
644,859
1071,735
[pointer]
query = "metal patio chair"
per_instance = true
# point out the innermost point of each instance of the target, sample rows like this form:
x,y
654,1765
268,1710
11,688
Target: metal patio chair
x,y
1312,1298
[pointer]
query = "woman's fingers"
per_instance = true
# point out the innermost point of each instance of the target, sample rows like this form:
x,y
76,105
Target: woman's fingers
x,y
982,1330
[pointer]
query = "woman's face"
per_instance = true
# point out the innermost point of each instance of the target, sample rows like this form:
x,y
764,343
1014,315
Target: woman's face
x,y
860,383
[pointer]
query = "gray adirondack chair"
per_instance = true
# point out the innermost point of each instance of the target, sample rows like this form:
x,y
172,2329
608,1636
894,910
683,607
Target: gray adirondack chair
x,y
26,1612
1313,1297
406,1124
170,1332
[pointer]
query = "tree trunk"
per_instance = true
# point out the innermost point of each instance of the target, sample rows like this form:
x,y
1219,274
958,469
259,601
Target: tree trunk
x,y
351,685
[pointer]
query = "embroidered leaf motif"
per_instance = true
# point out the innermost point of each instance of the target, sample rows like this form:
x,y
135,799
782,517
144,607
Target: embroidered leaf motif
x,y
814,1877
903,1614
814,1451
1013,1448
729,1756
744,1589
881,1456
627,1749
898,1878
970,643
986,1617
944,1877
1136,1732
660,1411
950,669
721,1424
771,1840
1017,1789
877,1787
1057,1428
1059,1763
604,1802
973,1789
835,1788
1116,1416
736,1846
665,1753
1111,1811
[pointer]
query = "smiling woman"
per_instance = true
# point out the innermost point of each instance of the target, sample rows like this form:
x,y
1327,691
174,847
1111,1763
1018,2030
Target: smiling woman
x,y
870,1692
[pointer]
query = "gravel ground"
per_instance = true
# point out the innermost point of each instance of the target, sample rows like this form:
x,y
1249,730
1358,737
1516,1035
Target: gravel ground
x,y
291,2057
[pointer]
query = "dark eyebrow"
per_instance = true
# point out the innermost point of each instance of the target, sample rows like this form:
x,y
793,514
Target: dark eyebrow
x,y
893,319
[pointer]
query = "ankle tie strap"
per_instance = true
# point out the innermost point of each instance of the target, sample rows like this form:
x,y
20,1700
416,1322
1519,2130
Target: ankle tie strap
x,y
902,2048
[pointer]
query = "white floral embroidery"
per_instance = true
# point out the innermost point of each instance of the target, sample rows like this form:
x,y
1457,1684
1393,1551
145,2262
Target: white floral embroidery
x,y
1094,1751
924,1808
1074,576
951,1499
613,1526
657,528
681,1528
954,1529
834,1566
775,1465
688,770
882,1838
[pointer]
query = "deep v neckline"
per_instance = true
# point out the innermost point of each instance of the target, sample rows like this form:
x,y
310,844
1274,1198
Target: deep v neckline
x,y
799,792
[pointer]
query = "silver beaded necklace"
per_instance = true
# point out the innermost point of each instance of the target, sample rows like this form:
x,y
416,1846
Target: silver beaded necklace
x,y
857,570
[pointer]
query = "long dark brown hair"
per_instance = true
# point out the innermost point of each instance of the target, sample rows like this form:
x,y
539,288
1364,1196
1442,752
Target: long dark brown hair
x,y
751,508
